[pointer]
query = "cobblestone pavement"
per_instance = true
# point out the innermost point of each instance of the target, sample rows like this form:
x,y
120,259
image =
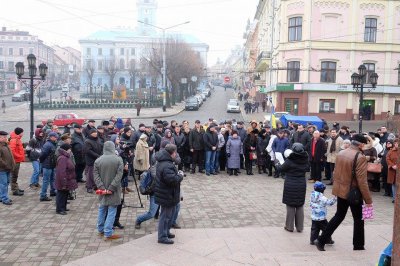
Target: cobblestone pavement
x,y
31,233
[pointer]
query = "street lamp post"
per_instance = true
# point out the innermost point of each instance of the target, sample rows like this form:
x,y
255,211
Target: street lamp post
x,y
20,69
358,80
164,68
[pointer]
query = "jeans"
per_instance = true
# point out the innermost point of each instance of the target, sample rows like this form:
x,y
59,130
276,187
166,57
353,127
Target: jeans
x,y
150,213
358,231
36,172
175,217
216,164
4,182
165,222
105,219
48,177
210,161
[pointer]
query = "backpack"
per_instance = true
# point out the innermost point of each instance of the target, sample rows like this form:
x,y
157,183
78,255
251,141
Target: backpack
x,y
147,183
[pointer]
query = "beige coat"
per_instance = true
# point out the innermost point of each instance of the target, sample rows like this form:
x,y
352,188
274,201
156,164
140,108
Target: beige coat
x,y
142,159
331,156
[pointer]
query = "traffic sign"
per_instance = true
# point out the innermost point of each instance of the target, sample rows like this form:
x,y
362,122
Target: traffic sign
x,y
227,79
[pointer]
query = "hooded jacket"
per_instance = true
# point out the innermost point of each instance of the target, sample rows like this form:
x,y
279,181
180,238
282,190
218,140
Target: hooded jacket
x,y
294,188
168,182
107,172
17,148
318,203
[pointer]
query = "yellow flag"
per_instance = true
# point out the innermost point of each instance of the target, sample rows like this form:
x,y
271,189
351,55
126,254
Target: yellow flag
x,y
273,121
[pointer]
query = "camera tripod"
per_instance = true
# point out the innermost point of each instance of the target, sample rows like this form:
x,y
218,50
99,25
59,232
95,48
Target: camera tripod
x,y
132,172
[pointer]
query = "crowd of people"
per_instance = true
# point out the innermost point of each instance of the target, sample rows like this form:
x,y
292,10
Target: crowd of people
x,y
169,150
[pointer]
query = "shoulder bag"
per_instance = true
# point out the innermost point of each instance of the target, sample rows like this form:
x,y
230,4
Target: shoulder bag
x,y
354,196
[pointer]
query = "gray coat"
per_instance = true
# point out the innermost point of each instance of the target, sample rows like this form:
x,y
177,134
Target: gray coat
x,y
108,170
234,147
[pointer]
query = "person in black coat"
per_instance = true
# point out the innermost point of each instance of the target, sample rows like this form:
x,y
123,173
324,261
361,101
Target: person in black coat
x,y
301,136
316,156
294,189
210,146
78,143
167,191
250,146
196,144
93,150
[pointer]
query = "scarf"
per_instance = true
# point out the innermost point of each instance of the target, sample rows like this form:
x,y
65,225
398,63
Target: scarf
x,y
333,145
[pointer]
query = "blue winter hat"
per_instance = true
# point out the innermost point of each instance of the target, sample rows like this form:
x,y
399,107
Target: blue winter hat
x,y
319,186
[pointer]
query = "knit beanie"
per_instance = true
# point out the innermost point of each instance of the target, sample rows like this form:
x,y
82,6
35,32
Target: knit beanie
x,y
18,130
65,146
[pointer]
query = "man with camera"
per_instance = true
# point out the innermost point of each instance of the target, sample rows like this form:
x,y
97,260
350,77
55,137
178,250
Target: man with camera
x,y
167,191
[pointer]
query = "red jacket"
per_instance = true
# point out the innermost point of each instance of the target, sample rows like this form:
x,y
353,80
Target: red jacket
x,y
16,148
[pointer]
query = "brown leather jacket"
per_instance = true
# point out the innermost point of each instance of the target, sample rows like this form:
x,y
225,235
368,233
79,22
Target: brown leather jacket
x,y
7,162
343,174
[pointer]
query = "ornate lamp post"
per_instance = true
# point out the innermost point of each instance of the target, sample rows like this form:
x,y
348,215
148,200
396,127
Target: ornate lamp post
x,y
358,80
20,69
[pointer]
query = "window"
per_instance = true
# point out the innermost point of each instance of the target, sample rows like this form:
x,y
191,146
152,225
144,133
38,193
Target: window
x,y
100,65
396,107
21,51
328,72
100,51
122,51
293,71
1,50
88,51
370,30
132,51
11,66
327,106
1,65
122,64
295,29
10,51
112,52
31,50
370,69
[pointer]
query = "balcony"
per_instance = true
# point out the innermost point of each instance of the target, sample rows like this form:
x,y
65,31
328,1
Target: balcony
x,y
263,61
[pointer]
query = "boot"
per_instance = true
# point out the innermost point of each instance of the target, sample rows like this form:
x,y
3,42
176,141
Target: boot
x,y
235,172
128,189
125,191
264,168
259,170
230,171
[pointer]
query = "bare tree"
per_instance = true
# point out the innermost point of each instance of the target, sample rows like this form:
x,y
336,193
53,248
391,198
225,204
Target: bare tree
x,y
112,69
133,73
89,69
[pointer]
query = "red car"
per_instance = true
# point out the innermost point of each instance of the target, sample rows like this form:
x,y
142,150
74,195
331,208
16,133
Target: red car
x,y
62,120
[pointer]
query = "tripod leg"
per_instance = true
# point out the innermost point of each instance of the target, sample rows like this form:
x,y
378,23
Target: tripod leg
x,y
137,191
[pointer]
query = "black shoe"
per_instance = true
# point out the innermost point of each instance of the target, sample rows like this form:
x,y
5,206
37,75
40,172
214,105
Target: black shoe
x,y
312,243
176,226
330,242
53,194
330,184
193,171
201,171
291,231
81,181
230,173
238,171
137,226
171,235
166,241
17,193
270,174
89,190
62,213
359,248
319,246
21,190
67,210
45,199
208,174
119,225
215,173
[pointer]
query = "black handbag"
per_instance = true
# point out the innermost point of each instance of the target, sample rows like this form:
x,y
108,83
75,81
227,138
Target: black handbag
x,y
354,197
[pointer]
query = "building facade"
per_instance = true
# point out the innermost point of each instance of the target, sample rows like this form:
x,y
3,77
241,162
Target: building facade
x,y
15,46
314,46
114,57
67,65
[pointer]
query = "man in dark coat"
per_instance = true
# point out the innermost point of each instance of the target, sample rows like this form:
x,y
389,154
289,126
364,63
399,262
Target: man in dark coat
x,y
242,134
301,136
316,156
196,144
78,144
93,150
210,146
48,161
90,125
167,191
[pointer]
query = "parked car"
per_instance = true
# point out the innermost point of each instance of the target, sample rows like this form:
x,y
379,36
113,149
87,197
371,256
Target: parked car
x,y
20,96
192,103
64,119
203,96
200,98
233,106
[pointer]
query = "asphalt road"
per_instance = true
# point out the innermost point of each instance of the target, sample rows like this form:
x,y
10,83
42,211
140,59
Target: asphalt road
x,y
214,107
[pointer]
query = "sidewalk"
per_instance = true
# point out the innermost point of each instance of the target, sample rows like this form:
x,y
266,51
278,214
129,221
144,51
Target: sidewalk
x,y
244,246
21,113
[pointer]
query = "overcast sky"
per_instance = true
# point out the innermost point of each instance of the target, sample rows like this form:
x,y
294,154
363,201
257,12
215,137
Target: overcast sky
x,y
219,23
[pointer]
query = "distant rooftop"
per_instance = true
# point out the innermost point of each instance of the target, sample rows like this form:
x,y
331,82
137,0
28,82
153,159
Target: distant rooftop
x,y
122,34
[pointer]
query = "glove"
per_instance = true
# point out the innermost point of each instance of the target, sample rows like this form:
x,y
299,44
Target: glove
x,y
228,154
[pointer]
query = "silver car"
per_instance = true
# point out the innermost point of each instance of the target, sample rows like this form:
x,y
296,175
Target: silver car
x,y
233,106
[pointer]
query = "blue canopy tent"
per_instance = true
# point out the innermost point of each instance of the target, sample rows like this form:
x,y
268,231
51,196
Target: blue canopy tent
x,y
303,120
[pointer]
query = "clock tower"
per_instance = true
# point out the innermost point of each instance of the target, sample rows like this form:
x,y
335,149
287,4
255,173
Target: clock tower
x,y
147,13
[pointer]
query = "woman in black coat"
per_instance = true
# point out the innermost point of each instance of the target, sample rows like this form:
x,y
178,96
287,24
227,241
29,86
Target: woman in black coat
x,y
294,190
250,146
